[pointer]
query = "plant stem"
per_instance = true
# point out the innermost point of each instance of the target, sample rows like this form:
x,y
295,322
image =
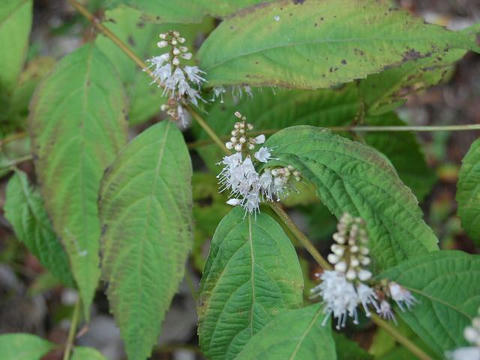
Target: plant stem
x,y
466,127
208,130
276,208
300,236
11,138
406,128
72,331
414,349
17,161
124,47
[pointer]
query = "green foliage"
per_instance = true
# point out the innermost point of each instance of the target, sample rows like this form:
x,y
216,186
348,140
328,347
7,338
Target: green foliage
x,y
468,192
320,43
86,353
184,11
404,151
348,349
145,210
29,79
23,347
77,126
142,37
209,208
295,334
273,111
447,289
388,89
15,22
252,274
351,177
25,211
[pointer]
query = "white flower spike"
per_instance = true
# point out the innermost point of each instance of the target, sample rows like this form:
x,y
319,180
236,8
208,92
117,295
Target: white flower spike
x,y
181,83
247,186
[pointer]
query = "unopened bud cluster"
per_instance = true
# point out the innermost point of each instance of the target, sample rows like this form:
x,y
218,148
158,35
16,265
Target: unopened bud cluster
x,y
174,39
472,335
350,251
180,82
248,187
344,288
240,139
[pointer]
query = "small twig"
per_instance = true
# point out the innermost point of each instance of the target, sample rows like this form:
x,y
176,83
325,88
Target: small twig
x,y
414,349
300,236
208,130
12,138
72,331
17,161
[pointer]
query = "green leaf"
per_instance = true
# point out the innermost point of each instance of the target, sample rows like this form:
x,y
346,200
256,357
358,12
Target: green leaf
x,y
389,89
320,43
145,209
35,71
86,353
142,38
448,292
351,177
25,211
348,349
15,22
23,347
468,192
184,11
252,274
403,150
274,111
209,208
295,334
77,126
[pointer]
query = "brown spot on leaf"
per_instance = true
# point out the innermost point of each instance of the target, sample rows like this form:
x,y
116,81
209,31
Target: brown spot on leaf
x,y
321,19
297,2
344,62
411,54
358,52
130,40
140,25
316,24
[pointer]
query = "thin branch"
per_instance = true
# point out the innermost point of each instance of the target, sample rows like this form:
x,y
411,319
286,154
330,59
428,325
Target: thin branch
x,y
414,349
12,138
17,161
72,331
300,236
208,130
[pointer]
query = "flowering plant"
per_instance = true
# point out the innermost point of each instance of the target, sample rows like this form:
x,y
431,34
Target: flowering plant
x,y
245,116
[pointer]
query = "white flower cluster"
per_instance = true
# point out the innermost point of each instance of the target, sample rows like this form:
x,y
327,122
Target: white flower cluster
x,y
472,335
248,188
180,82
343,289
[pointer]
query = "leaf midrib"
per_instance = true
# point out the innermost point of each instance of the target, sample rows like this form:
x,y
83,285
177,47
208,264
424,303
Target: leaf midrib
x,y
304,335
12,13
302,43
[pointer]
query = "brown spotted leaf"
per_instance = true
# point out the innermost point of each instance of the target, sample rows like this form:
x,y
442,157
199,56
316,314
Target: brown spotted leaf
x,y
320,43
